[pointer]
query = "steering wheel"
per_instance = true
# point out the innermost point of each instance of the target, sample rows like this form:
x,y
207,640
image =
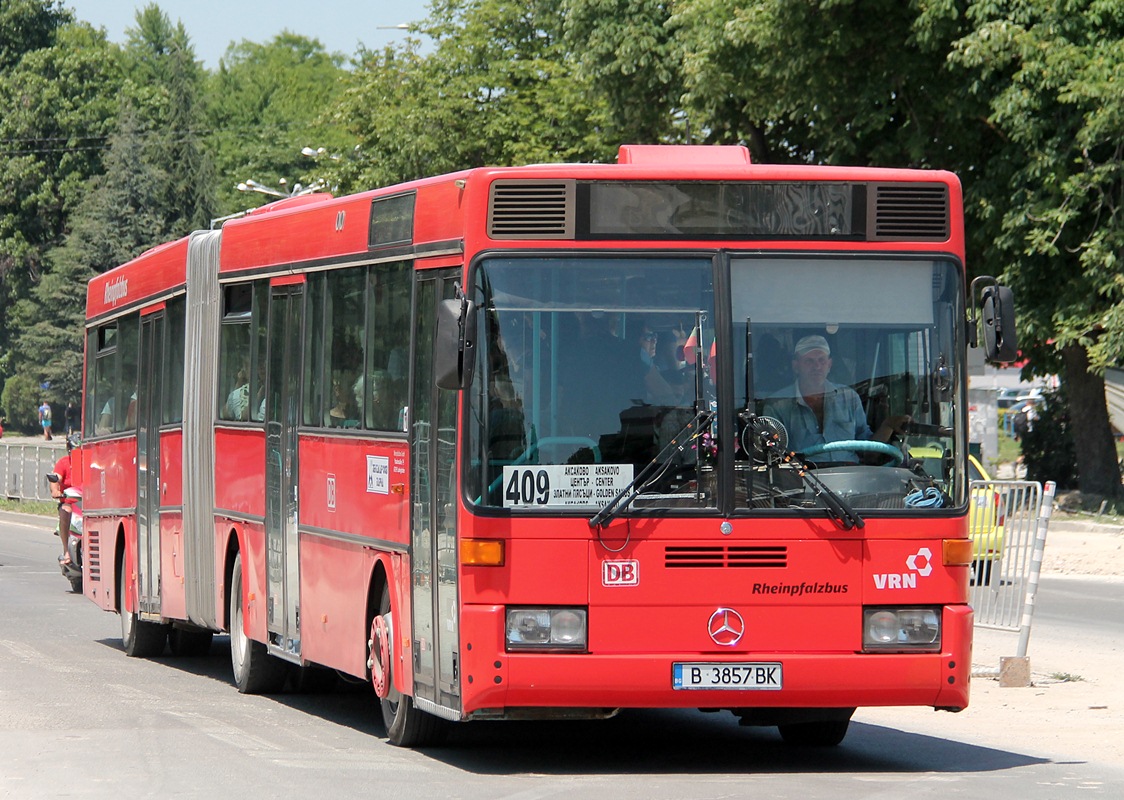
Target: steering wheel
x,y
858,446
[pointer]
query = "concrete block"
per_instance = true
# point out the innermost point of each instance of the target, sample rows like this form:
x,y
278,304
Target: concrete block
x,y
1014,671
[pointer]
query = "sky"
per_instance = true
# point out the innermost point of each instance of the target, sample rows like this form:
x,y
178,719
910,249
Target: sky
x,y
340,25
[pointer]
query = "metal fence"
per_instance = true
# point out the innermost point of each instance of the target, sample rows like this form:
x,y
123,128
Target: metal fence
x,y
1008,522
24,467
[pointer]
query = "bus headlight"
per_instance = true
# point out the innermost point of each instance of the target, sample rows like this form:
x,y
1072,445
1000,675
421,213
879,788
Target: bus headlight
x,y
546,628
901,630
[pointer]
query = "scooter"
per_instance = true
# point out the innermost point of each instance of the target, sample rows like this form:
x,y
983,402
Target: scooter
x,y
72,568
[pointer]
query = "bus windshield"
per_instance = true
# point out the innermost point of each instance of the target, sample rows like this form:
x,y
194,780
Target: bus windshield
x,y
600,375
581,379
853,377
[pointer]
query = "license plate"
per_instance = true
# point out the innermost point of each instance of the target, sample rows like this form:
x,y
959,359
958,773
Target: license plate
x,y
725,675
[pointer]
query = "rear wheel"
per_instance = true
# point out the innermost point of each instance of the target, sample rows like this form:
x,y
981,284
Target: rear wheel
x,y
140,638
255,670
406,725
827,733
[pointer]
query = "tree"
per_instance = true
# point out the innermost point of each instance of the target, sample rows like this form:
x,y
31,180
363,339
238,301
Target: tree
x,y
499,87
58,82
267,102
1051,73
166,83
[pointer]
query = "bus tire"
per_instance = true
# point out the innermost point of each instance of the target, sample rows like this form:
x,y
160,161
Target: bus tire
x,y
406,725
255,670
825,733
140,638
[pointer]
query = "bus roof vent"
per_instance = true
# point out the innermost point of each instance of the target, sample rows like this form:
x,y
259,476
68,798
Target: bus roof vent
x,y
908,211
530,209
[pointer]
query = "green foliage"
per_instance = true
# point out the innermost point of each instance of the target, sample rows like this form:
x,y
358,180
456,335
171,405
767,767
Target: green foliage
x,y
1048,448
499,87
20,399
264,104
58,82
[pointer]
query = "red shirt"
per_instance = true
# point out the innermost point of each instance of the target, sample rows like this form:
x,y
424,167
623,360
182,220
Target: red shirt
x,y
62,467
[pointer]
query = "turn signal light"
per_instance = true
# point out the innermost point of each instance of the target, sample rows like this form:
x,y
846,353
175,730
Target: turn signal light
x,y
482,552
957,552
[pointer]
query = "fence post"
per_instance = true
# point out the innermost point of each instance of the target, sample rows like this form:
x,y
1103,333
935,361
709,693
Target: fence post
x,y
1045,512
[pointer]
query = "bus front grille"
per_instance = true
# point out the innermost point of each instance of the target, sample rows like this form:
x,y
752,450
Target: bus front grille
x,y
725,556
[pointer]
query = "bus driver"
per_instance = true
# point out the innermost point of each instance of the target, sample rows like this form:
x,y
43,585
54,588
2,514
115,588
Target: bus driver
x,y
816,411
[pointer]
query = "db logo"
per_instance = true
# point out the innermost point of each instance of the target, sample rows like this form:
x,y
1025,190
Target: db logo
x,y
620,573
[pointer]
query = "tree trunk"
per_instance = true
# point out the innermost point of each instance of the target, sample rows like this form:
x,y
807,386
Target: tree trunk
x,y
1097,469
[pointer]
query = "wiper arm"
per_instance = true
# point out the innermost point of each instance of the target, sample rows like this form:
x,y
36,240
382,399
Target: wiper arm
x,y
837,508
652,471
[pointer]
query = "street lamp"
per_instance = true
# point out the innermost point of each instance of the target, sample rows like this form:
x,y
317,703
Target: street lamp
x,y
250,185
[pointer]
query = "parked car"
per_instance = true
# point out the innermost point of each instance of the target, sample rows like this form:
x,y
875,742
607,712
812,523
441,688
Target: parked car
x,y
1005,398
987,516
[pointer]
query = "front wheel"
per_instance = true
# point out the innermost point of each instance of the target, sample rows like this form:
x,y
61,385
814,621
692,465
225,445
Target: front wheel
x,y
406,725
255,670
140,638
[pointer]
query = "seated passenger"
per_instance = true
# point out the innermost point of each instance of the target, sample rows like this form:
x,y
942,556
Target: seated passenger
x,y
816,411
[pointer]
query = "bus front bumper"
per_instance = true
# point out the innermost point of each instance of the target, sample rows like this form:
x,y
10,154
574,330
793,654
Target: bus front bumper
x,y
498,684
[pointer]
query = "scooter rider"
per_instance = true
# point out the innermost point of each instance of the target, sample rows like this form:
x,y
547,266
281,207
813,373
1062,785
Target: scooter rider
x,y
58,491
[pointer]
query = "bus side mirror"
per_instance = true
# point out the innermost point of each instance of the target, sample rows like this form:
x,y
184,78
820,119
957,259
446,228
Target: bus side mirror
x,y
997,315
998,318
454,351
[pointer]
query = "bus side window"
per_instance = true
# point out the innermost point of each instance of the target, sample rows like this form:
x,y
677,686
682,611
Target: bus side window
x,y
343,334
125,414
384,389
234,354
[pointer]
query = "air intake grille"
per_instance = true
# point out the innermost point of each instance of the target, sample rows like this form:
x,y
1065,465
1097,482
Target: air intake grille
x,y
725,556
526,209
908,212
93,550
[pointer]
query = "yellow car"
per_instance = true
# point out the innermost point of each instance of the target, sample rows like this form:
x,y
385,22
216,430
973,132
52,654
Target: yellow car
x,y
986,518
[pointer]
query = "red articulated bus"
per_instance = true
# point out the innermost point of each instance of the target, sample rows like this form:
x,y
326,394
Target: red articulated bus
x,y
553,441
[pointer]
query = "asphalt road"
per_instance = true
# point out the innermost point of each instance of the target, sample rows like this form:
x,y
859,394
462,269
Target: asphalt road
x,y
80,719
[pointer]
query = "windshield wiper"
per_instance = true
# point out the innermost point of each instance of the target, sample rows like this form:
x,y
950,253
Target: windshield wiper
x,y
768,437
652,471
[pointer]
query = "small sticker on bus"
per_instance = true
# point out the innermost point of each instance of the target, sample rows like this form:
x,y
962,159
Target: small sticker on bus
x,y
564,485
378,474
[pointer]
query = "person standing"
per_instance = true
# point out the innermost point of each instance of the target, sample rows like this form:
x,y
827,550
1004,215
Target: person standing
x,y
73,418
45,419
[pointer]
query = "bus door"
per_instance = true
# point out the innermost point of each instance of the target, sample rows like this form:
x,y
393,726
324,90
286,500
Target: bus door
x,y
281,416
149,396
433,533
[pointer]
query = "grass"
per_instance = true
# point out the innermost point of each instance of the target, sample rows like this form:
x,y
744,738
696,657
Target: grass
x,y
40,507
1066,677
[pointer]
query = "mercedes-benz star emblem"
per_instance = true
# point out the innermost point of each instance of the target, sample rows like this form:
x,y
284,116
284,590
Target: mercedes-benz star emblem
x,y
726,627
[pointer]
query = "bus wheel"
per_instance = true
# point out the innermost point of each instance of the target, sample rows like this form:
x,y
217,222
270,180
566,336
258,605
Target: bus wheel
x,y
140,638
826,733
406,725
255,670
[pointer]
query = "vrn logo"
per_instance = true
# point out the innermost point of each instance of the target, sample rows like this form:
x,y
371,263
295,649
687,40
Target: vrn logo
x,y
620,573
920,563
